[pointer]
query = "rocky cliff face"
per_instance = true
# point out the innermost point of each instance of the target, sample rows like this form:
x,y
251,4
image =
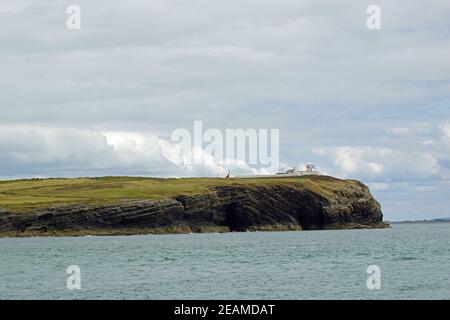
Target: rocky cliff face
x,y
223,208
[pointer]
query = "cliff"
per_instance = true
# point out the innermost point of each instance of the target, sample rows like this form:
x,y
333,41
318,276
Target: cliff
x,y
188,205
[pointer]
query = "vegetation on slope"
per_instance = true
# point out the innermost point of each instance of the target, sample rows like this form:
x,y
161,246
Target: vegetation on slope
x,y
32,194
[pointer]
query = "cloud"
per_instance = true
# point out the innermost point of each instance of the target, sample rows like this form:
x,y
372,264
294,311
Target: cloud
x,y
413,200
48,151
145,63
445,131
379,163
409,174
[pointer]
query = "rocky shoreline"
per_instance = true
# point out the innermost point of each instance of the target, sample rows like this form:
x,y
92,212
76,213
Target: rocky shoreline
x,y
235,207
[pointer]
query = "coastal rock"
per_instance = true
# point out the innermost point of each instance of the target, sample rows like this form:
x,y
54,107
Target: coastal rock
x,y
233,207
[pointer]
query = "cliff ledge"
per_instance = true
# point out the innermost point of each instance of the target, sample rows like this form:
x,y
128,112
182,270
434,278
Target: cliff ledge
x,y
124,205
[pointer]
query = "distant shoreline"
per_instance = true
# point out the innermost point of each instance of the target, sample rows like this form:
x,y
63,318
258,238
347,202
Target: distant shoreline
x,y
419,221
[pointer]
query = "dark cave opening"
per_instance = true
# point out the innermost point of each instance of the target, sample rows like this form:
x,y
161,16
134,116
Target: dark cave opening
x,y
232,220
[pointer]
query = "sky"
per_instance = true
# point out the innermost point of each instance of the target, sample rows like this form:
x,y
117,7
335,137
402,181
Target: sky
x,y
371,105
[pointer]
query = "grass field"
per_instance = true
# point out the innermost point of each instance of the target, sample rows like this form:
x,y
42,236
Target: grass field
x,y
29,195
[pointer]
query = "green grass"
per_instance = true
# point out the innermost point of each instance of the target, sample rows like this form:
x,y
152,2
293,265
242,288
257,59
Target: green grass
x,y
30,195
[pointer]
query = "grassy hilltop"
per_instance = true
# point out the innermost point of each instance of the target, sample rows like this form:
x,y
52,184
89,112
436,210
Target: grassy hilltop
x,y
32,194
136,205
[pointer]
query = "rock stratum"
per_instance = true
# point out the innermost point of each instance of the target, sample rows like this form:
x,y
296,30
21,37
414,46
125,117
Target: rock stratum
x,y
312,203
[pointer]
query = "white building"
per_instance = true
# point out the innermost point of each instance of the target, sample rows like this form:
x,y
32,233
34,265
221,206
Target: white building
x,y
310,170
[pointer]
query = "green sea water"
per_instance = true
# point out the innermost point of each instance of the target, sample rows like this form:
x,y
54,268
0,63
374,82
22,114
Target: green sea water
x,y
414,262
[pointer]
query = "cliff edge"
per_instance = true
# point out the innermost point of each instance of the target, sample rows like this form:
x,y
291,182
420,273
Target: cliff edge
x,y
115,205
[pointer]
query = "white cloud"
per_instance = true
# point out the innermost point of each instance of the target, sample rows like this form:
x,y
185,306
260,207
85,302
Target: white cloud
x,y
379,163
412,130
420,151
445,130
47,151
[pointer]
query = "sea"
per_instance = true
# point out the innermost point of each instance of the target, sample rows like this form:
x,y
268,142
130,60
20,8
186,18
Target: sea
x,y
407,261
